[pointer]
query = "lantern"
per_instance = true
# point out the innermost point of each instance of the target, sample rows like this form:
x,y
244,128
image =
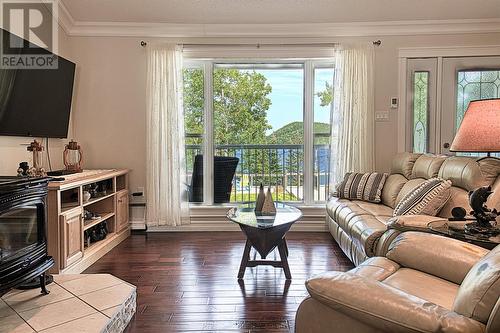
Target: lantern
x,y
72,157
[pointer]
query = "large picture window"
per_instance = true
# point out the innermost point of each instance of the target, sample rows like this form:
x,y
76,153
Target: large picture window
x,y
257,122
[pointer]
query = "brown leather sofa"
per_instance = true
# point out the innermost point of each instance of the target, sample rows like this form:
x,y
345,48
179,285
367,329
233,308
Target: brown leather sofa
x,y
425,283
363,229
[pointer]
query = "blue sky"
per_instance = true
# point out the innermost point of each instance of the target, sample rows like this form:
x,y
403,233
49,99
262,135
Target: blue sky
x,y
287,96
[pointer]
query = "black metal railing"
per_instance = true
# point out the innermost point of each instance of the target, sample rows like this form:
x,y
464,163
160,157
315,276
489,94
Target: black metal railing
x,y
280,167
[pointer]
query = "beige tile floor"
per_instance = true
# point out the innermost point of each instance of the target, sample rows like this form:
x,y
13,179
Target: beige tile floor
x,y
76,303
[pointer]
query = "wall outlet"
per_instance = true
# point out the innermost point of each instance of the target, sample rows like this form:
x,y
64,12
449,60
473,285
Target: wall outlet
x,y
382,116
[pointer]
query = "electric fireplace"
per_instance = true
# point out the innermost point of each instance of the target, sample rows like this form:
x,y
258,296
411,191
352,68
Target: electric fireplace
x,y
23,247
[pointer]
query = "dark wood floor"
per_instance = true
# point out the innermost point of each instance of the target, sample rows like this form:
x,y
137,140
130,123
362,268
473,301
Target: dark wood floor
x,y
187,281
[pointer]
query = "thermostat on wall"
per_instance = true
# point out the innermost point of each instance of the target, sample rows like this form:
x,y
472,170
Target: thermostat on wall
x,y
394,102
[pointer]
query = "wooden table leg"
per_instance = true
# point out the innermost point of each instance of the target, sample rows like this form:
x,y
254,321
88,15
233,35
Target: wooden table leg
x,y
286,246
244,259
282,248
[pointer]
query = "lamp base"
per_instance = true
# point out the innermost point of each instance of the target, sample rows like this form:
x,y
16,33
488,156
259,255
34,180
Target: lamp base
x,y
475,228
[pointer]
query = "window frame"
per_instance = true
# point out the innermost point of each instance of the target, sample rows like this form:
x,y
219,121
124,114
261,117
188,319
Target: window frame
x,y
308,65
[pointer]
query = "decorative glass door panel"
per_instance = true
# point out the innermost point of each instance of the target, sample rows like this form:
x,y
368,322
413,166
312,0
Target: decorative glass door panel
x,y
421,105
464,80
420,112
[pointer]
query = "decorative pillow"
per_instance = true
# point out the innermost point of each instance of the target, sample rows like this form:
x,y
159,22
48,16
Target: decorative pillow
x,y
361,186
426,199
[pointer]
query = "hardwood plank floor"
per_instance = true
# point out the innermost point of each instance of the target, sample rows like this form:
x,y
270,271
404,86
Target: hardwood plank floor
x,y
187,281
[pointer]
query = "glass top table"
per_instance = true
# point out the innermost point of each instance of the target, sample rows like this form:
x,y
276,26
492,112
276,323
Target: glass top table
x,y
245,214
455,229
265,233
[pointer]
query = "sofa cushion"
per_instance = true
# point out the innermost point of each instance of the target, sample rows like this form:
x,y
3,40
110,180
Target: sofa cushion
x,y
377,268
453,263
408,187
393,185
361,186
469,173
425,286
427,166
480,289
426,199
363,221
403,164
458,198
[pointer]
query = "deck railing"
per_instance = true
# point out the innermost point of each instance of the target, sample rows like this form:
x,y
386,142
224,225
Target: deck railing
x,y
279,166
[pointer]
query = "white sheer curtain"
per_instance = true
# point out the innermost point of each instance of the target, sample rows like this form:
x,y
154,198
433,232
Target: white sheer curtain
x,y
166,193
353,119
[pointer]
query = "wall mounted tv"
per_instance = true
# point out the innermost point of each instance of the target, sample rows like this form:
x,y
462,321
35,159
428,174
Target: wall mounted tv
x,y
35,102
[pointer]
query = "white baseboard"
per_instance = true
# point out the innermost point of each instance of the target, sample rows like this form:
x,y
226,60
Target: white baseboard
x,y
213,218
221,226
138,225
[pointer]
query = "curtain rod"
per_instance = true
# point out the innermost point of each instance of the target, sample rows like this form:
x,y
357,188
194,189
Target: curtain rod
x,y
375,43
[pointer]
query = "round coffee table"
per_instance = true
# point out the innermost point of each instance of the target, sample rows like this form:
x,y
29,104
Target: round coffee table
x,y
456,230
264,233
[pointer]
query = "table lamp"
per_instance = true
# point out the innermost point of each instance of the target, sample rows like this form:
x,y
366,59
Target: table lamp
x,y
479,132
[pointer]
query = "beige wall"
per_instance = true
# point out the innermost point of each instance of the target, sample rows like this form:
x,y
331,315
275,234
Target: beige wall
x,y
109,111
110,98
13,149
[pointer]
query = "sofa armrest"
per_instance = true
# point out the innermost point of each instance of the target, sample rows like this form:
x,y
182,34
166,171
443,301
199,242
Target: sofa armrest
x,y
413,222
384,307
441,256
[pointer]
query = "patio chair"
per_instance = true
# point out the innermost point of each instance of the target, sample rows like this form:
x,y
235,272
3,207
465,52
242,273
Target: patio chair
x,y
224,170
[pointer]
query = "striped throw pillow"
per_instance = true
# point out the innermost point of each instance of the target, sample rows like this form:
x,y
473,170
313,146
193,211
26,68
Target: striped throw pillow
x,y
361,186
426,199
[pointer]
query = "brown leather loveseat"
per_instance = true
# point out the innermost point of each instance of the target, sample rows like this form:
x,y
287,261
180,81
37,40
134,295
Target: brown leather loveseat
x,y
425,283
362,229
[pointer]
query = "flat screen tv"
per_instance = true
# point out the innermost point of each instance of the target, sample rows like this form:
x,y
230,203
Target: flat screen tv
x,y
35,102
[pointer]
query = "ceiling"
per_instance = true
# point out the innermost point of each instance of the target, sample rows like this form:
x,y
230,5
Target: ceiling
x,y
278,11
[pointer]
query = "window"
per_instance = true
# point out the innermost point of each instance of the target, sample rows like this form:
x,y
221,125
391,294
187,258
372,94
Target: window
x,y
194,105
259,113
420,111
473,85
323,97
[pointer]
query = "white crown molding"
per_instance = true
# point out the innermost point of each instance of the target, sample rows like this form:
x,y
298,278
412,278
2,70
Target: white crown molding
x,y
66,20
450,51
352,29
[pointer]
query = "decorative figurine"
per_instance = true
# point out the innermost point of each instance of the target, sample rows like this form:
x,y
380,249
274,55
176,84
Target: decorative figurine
x,y
37,170
261,197
268,207
485,218
22,171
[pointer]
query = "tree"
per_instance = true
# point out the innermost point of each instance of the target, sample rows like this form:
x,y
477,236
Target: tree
x,y
240,104
326,96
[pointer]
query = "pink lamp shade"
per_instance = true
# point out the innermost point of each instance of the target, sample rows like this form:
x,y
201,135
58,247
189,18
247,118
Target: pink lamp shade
x,y
480,128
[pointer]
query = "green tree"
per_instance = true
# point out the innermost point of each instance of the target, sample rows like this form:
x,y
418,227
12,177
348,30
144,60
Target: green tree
x,y
241,100
326,96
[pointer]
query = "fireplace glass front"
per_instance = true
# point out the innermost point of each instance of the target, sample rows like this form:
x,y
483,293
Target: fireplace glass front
x,y
19,230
